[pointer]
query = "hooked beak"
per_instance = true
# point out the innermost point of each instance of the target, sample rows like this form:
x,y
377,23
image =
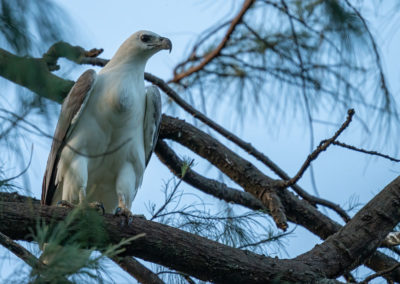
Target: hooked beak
x,y
165,43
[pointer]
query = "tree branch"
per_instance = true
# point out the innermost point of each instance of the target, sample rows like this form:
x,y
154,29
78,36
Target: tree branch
x,y
211,261
20,251
33,74
140,272
362,234
204,259
361,150
322,147
209,186
73,53
210,56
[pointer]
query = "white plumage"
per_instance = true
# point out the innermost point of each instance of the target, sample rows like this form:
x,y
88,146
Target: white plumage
x,y
107,130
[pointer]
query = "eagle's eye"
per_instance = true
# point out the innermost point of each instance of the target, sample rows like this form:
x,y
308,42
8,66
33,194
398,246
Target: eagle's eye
x,y
145,38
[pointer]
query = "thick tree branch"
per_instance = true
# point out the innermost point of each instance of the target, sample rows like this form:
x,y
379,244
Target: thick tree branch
x,y
209,260
170,247
361,235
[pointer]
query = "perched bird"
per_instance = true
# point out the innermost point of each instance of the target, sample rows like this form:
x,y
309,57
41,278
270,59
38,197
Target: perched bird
x,y
107,131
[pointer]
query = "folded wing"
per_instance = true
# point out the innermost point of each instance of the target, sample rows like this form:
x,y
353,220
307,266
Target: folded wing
x,y
152,120
71,110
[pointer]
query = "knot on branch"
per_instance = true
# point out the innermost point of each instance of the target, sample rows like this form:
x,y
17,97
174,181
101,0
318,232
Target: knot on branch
x,y
73,53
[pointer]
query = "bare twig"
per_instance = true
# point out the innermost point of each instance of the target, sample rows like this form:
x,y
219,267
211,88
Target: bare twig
x,y
169,199
380,273
210,56
322,147
5,181
137,270
361,150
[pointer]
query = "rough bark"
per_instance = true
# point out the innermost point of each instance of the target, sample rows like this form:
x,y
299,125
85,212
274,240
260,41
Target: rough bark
x,y
212,261
170,247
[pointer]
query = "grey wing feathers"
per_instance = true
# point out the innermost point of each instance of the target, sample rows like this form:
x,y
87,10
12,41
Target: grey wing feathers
x,y
152,120
70,112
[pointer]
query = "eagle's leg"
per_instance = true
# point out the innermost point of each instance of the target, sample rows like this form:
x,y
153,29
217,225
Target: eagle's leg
x,y
75,183
126,191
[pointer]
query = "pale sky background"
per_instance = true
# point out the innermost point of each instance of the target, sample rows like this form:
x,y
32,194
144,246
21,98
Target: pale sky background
x,y
340,174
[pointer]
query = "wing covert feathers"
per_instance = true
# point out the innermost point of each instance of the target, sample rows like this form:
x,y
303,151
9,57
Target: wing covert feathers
x,y
70,113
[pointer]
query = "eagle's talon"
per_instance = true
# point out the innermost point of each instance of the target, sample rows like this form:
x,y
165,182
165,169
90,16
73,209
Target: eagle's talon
x,y
65,203
98,206
117,211
121,211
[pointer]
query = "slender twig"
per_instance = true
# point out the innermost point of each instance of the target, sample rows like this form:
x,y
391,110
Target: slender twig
x,y
322,147
169,199
266,240
380,273
361,150
5,181
137,270
213,54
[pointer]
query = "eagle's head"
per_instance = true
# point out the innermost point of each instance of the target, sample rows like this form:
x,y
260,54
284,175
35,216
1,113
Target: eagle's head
x,y
150,42
143,44
137,49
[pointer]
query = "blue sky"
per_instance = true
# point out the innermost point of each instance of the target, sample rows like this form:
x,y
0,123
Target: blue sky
x,y
340,173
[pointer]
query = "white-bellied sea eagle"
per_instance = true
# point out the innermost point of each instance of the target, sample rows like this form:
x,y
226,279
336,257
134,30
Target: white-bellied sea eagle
x,y
107,131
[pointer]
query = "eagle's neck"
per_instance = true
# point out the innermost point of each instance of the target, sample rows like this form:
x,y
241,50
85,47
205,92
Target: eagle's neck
x,y
131,64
